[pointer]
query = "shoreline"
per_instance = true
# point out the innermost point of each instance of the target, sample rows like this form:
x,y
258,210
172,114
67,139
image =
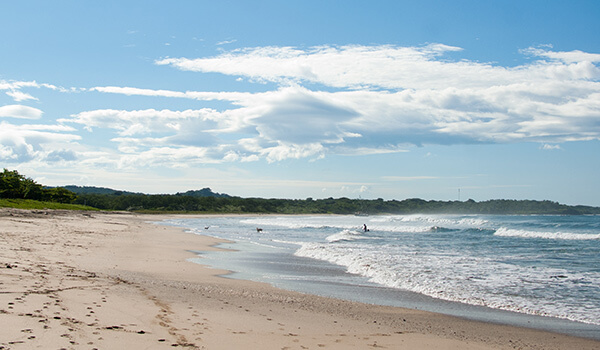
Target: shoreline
x,y
374,294
105,280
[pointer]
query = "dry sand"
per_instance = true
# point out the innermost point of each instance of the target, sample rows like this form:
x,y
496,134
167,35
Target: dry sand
x,y
71,280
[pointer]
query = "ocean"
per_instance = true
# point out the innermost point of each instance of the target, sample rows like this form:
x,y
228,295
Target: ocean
x,y
536,271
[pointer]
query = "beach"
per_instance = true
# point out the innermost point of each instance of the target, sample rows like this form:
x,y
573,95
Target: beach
x,y
88,280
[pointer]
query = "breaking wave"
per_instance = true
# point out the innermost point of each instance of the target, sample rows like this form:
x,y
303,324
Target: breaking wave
x,y
506,232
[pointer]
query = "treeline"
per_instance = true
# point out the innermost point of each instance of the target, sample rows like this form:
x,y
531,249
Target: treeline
x,y
15,185
141,202
205,192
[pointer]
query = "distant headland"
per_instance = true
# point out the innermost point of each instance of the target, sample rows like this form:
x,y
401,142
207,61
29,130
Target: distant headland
x,y
17,190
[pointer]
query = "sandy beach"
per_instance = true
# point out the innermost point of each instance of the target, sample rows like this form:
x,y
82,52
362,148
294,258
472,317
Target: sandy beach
x,y
77,280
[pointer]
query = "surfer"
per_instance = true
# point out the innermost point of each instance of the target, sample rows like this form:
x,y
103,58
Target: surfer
x,y
365,229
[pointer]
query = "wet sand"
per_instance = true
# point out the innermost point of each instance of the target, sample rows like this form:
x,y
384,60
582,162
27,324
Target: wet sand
x,y
73,280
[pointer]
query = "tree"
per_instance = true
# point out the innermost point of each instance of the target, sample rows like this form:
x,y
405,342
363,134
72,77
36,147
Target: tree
x,y
15,185
10,184
59,195
31,190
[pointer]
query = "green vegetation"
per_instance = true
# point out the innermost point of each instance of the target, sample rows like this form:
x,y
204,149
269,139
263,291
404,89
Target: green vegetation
x,y
178,203
18,191
16,186
94,190
33,204
205,192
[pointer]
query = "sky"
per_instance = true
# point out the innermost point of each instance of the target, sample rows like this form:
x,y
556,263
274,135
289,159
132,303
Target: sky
x,y
440,100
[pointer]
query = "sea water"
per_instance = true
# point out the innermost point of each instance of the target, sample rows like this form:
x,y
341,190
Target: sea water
x,y
546,266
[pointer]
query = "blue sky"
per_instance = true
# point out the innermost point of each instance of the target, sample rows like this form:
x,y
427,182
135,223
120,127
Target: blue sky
x,y
297,99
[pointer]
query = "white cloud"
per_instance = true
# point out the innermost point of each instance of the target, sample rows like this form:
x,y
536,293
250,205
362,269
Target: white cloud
x,y
367,122
371,99
565,56
195,95
20,111
19,96
165,157
166,137
225,42
141,122
548,147
14,90
17,85
292,151
299,116
20,143
387,67
354,66
426,99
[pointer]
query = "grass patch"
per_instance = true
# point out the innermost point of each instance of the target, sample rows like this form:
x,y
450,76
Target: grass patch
x,y
31,204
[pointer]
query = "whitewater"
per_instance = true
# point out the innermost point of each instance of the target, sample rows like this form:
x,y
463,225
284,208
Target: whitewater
x,y
537,265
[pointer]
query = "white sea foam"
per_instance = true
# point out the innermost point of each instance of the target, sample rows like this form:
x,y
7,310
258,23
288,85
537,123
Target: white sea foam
x,y
345,235
506,232
345,223
471,280
291,222
469,265
440,220
406,229
396,224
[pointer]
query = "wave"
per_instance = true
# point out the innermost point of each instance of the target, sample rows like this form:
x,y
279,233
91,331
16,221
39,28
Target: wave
x,y
292,223
464,279
296,226
425,254
346,235
381,224
506,232
441,229
384,222
443,220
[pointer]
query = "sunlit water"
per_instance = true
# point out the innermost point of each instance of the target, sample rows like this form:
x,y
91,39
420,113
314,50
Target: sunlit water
x,y
537,265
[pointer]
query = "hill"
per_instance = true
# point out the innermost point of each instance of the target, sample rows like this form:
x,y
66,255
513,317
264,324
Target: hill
x,y
205,192
95,190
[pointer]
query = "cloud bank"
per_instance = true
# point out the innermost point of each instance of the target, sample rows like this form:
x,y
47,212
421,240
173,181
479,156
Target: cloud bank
x,y
388,67
20,112
346,100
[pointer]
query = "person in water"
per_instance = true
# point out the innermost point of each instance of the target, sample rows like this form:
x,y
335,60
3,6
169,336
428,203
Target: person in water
x,y
365,229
